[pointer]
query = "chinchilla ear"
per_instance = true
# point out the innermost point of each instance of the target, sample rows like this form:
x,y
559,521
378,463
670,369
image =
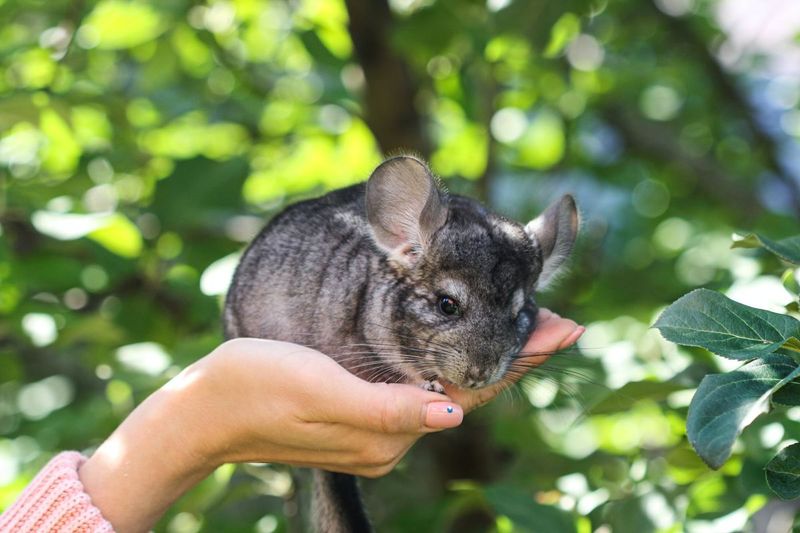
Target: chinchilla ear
x,y
404,207
554,233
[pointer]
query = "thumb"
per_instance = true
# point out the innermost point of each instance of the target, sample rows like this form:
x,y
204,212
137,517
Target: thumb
x,y
395,408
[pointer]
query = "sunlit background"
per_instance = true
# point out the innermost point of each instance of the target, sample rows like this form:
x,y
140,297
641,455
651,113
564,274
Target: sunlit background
x,y
143,143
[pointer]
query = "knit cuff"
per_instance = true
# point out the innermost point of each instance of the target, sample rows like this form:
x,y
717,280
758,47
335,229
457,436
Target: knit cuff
x,y
56,501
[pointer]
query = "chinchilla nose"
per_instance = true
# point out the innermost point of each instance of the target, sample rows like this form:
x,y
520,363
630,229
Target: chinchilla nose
x,y
476,376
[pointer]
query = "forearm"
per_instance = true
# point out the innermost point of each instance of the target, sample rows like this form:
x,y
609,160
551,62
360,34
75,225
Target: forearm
x,y
148,462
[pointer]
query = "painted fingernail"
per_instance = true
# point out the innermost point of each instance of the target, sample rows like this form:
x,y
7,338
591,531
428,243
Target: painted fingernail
x,y
573,337
443,415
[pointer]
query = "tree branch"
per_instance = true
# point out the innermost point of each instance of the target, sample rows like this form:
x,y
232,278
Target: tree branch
x,y
390,89
489,96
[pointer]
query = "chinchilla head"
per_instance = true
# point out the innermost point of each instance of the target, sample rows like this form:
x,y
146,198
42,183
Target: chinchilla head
x,y
461,303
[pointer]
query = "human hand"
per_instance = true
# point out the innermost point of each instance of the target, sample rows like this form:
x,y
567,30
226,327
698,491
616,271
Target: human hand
x,y
314,413
256,400
552,333
322,416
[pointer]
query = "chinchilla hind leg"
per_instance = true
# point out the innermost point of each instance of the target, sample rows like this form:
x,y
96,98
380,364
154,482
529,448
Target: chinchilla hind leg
x,y
337,506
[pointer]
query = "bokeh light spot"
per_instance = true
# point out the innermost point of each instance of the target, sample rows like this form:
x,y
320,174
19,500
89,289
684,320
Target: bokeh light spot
x,y
39,399
585,53
508,124
650,198
40,327
660,102
146,357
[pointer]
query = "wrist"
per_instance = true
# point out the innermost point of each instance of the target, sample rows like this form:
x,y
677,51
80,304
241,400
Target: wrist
x,y
159,452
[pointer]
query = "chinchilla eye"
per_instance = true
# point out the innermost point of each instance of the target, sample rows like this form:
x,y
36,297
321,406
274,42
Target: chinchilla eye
x,y
449,306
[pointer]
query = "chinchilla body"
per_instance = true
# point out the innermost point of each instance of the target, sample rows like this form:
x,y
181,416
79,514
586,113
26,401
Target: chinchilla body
x,y
314,277
399,282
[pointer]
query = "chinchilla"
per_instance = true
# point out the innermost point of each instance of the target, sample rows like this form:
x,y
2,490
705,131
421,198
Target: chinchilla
x,y
398,282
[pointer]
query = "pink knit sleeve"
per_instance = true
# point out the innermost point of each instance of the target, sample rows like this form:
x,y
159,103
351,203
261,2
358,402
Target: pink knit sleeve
x,y
55,501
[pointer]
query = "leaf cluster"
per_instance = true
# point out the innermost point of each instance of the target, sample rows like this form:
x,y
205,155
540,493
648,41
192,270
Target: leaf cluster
x,y
725,404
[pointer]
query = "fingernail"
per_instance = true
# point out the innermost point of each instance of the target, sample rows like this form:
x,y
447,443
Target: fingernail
x,y
443,415
573,337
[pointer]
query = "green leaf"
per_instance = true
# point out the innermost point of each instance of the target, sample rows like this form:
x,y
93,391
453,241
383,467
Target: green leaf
x,y
61,152
526,513
783,472
725,404
626,516
787,249
631,393
712,321
564,30
790,282
792,344
117,24
119,235
748,241
788,395
544,144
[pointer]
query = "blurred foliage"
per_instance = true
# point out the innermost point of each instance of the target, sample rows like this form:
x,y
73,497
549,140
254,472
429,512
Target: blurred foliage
x,y
143,143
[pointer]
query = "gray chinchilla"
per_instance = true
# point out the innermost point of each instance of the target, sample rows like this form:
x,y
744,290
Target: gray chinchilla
x,y
398,282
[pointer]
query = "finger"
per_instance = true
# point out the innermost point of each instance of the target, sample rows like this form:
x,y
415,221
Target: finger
x,y
550,334
471,399
573,338
364,450
399,409
337,396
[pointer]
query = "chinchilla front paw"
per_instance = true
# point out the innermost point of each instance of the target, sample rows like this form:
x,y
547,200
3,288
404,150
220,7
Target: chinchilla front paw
x,y
433,386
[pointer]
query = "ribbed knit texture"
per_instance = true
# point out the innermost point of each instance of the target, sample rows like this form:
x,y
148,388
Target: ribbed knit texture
x,y
55,502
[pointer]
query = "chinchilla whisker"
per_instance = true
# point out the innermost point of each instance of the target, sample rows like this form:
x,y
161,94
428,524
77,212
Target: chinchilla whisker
x,y
565,371
387,350
385,357
359,368
568,390
375,354
408,357
503,392
562,364
444,348
510,391
581,375
401,347
395,347
527,382
377,377
548,353
375,365
419,366
369,364
580,379
429,342
553,379
575,349
380,374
